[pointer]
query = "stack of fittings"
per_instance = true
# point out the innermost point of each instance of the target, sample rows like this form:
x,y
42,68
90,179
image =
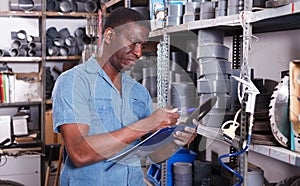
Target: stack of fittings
x,y
62,43
202,172
150,80
25,5
84,42
262,132
183,173
145,72
215,73
234,7
175,13
207,10
182,89
24,45
221,8
89,6
192,173
148,60
192,12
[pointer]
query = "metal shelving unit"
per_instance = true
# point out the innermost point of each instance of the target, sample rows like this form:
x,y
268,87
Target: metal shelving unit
x,y
267,20
33,105
272,16
41,61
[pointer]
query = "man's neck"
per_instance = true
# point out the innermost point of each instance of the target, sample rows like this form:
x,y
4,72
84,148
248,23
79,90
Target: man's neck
x,y
113,74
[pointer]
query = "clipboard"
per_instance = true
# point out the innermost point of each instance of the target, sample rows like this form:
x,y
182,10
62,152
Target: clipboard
x,y
161,137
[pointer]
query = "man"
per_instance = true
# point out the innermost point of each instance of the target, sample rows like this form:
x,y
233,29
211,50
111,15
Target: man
x,y
100,111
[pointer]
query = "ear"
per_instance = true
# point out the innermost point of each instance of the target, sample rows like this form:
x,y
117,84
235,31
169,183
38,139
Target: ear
x,y
108,35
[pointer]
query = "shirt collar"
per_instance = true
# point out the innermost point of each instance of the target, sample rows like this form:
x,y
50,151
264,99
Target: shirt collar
x,y
92,66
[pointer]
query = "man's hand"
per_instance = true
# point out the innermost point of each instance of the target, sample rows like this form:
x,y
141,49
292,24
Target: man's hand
x,y
161,118
186,136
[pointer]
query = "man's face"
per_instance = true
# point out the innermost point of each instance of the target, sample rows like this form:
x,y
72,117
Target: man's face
x,y
128,44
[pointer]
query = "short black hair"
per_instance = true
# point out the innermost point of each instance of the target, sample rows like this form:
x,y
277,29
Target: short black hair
x,y
121,16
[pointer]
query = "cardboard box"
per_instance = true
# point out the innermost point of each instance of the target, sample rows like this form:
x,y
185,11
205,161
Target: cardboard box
x,y
50,136
28,87
294,112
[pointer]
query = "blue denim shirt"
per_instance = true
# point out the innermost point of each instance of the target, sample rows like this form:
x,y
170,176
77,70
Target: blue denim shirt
x,y
85,94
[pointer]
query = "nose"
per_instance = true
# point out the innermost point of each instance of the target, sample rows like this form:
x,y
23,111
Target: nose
x,y
138,49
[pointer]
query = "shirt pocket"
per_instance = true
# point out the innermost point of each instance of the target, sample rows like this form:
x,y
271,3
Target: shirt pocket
x,y
138,108
105,111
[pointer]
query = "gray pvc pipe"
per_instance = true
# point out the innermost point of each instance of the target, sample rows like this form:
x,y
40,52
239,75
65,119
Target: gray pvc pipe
x,y
64,51
70,41
90,6
52,5
52,32
66,6
34,53
14,52
14,5
79,32
53,51
26,5
64,32
17,43
58,41
31,38
4,53
21,34
37,5
35,45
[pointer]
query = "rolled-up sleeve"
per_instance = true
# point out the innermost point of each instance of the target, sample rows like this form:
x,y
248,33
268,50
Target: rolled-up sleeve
x,y
70,100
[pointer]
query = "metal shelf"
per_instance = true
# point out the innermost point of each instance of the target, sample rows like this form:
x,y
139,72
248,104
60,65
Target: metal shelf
x,y
290,9
20,59
274,152
278,153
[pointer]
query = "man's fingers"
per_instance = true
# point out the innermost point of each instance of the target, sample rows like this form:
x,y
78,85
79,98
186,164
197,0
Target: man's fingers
x,y
190,130
174,110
